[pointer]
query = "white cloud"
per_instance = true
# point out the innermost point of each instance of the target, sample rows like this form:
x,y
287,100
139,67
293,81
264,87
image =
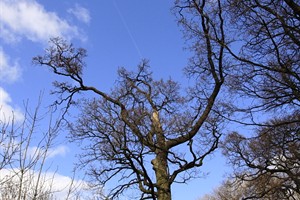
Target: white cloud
x,y
29,19
7,112
9,72
81,13
61,150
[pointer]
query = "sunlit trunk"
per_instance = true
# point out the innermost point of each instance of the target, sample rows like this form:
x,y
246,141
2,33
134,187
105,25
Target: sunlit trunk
x,y
160,166
160,163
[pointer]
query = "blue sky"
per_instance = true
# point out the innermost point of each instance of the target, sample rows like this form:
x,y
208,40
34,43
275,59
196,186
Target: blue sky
x,y
115,33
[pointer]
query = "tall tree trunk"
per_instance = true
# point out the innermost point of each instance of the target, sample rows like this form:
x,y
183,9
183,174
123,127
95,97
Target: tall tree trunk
x,y
160,166
160,163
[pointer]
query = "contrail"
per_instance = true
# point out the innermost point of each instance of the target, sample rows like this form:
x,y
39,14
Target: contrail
x,y
127,29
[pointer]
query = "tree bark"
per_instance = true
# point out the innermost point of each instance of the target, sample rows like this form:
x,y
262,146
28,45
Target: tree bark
x,y
160,163
160,167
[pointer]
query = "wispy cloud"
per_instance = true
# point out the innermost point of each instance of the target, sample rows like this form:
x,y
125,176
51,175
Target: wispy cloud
x,y
61,150
7,112
81,13
9,71
29,19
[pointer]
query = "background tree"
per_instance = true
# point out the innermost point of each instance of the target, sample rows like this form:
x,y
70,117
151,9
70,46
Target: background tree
x,y
261,40
24,148
145,133
262,44
269,76
268,61
228,190
263,187
23,157
270,161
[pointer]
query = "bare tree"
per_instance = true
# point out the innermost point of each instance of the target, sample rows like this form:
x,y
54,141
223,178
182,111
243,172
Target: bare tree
x,y
261,41
228,190
268,62
268,75
24,148
145,133
144,124
270,160
263,187
8,147
23,154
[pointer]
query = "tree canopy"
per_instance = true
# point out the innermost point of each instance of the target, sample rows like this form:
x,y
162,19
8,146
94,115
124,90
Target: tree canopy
x,y
142,124
148,134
